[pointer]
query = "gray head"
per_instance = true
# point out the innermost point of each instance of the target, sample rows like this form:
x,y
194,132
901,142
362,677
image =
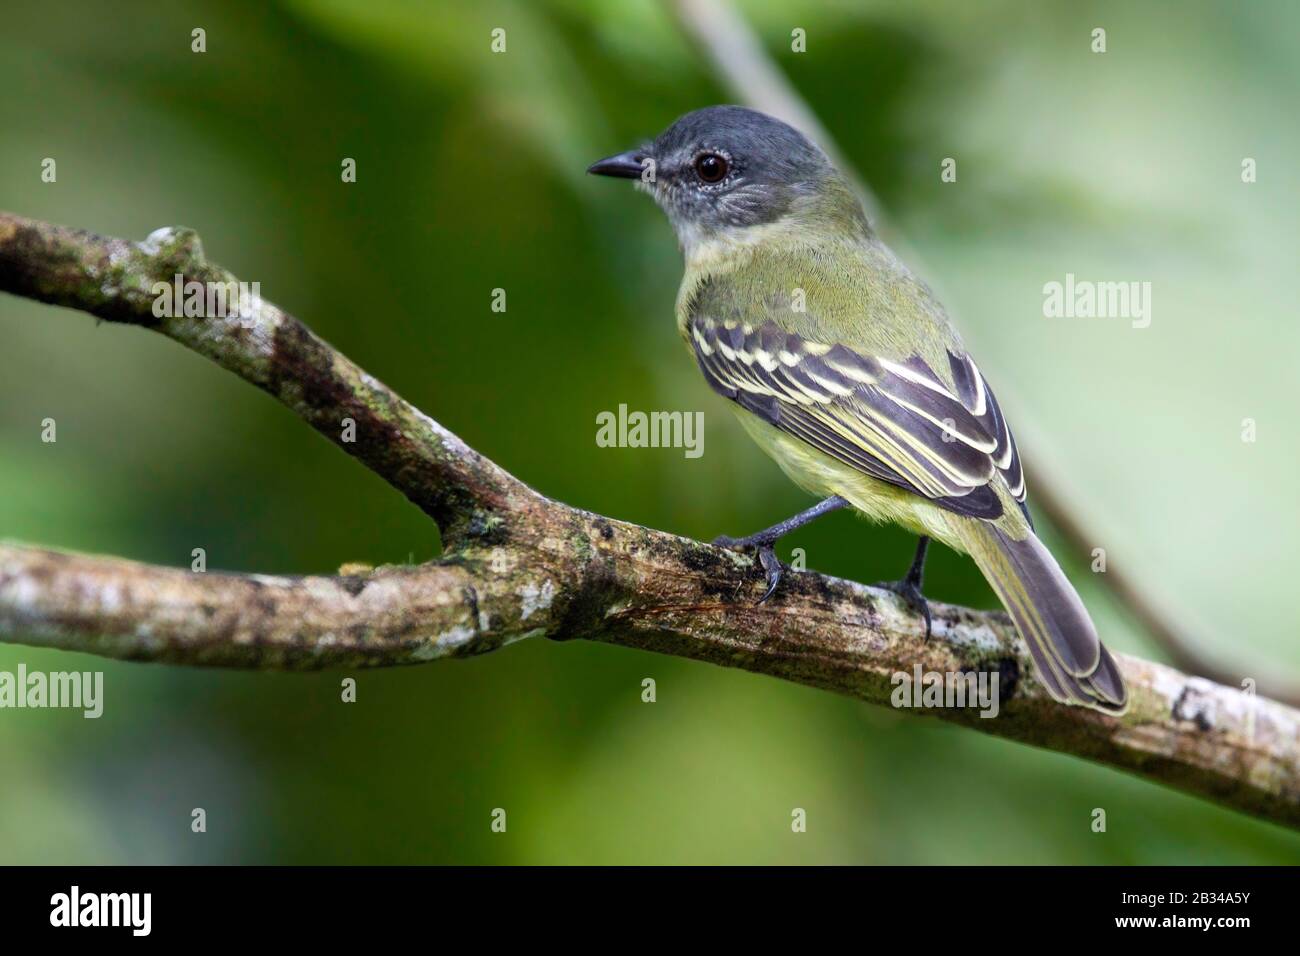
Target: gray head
x,y
726,168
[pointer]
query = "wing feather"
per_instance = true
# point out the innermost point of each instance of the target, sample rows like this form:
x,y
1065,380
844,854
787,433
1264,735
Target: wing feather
x,y
895,421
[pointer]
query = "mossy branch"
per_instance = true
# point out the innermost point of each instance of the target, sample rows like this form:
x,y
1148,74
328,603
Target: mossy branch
x,y
519,565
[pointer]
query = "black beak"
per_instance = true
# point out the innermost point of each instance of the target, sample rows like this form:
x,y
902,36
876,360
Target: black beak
x,y
623,166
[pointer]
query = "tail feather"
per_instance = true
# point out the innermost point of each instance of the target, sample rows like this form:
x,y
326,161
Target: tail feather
x,y
1070,659
1107,682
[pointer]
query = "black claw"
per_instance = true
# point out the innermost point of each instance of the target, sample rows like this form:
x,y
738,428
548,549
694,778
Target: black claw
x,y
910,592
773,569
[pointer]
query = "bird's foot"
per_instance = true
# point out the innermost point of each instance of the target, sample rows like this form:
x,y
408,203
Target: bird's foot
x,y
767,559
910,592
766,539
772,568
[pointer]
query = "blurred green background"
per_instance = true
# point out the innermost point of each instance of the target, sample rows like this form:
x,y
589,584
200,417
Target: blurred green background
x,y
1122,166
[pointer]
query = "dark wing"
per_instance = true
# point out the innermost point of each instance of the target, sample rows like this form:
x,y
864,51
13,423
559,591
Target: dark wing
x,y
894,421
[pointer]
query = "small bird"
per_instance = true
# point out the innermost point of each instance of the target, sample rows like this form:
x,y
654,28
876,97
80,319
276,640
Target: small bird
x,y
844,368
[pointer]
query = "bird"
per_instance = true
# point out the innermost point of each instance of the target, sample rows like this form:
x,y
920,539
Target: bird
x,y
845,368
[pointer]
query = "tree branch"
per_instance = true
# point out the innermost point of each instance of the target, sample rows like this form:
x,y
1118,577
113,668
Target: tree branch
x,y
518,565
114,280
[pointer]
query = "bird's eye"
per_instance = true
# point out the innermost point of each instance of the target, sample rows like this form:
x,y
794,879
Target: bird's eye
x,y
711,167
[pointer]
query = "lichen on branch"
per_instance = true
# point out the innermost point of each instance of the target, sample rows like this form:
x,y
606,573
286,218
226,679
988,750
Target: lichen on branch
x,y
518,565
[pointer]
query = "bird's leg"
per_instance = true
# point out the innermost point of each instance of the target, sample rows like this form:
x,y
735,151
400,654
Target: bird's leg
x,y
909,589
781,529
765,540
